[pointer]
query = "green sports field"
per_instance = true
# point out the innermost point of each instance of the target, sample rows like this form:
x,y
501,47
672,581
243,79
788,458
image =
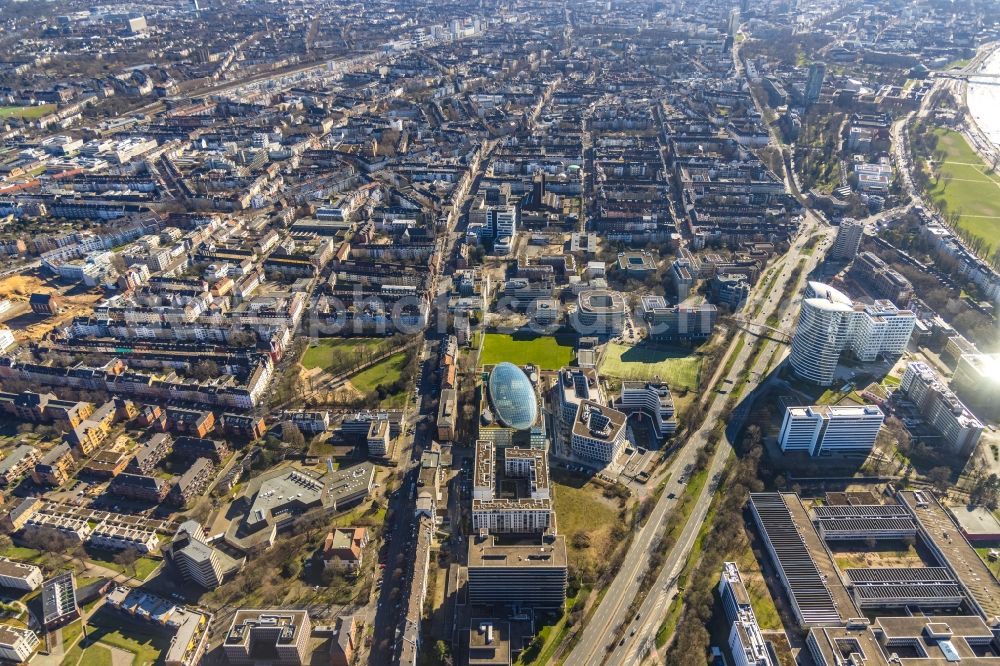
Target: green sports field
x,y
678,367
542,351
27,112
968,187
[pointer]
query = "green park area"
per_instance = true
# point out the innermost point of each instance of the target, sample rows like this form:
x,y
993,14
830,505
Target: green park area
x,y
328,353
26,112
678,367
384,372
968,188
544,352
140,569
107,630
93,655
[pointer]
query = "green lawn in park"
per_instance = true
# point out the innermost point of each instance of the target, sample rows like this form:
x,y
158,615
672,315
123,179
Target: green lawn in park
x,y
385,372
968,187
107,628
94,655
320,354
543,351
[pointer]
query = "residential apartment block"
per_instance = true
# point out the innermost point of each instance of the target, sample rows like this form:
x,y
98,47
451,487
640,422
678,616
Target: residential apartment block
x,y
17,644
54,468
281,636
19,576
18,463
746,642
940,408
531,513
849,235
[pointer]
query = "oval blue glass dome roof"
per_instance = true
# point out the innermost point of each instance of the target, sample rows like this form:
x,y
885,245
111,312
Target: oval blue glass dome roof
x,y
512,396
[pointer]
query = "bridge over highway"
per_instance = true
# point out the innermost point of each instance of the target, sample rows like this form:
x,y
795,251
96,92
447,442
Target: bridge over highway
x,y
980,77
763,330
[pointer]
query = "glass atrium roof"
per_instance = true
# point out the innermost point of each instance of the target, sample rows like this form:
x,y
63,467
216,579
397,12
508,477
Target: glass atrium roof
x,y
512,396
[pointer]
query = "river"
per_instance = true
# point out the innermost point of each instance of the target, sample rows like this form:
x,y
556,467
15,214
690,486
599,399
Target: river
x,y
984,100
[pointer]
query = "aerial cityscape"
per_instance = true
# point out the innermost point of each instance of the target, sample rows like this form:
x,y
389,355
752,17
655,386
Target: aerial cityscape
x,y
500,332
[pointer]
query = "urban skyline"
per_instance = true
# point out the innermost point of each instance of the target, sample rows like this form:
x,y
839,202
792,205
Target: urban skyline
x,y
504,332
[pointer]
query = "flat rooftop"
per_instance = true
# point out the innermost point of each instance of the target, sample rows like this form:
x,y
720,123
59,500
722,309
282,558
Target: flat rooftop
x,y
15,569
538,460
278,495
596,421
576,384
602,301
484,475
812,583
943,641
820,555
489,642
246,620
975,521
835,410
945,537
531,554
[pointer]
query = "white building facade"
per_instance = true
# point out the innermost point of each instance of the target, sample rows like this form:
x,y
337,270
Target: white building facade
x,y
830,323
823,430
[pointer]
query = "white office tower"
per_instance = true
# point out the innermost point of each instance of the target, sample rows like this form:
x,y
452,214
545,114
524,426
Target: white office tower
x,y
845,247
653,400
822,332
734,22
829,322
825,430
503,222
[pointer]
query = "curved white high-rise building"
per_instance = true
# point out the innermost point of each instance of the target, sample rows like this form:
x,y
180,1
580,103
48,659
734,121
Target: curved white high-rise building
x,y
829,323
823,331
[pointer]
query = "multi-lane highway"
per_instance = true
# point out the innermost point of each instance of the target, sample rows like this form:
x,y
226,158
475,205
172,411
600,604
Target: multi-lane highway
x,y
642,632
596,640
593,643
